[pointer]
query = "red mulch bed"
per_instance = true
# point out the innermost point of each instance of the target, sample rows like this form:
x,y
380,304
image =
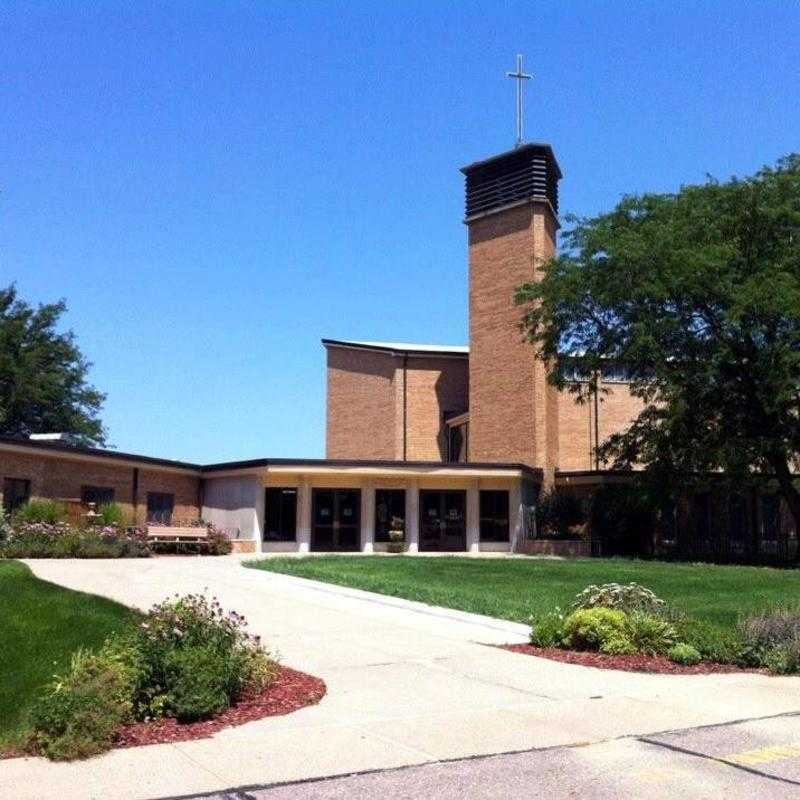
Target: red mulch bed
x,y
635,663
291,691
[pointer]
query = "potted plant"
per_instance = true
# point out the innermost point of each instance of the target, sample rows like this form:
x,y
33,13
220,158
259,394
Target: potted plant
x,y
397,535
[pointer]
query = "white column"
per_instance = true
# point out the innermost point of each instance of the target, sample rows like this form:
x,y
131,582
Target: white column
x,y
258,515
304,516
412,516
473,517
515,520
367,516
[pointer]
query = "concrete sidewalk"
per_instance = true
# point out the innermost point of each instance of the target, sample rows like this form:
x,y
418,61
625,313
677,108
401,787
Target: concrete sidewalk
x,y
406,685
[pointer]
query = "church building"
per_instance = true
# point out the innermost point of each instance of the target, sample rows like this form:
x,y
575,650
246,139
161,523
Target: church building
x,y
455,441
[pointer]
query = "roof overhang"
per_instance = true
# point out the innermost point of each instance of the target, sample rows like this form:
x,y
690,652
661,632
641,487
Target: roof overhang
x,y
381,469
402,348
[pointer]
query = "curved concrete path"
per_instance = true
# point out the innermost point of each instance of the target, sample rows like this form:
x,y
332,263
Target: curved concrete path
x,y
407,684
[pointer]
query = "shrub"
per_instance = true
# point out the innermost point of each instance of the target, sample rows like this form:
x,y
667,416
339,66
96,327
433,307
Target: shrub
x,y
783,658
683,653
199,680
597,629
558,512
627,597
771,627
548,630
112,514
218,543
60,540
650,634
78,715
49,512
714,644
5,528
192,634
772,638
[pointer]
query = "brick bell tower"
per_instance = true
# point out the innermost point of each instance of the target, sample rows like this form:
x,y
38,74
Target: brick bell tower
x,y
511,216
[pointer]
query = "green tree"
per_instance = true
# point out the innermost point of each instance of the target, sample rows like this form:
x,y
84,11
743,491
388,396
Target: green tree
x,y
43,385
697,293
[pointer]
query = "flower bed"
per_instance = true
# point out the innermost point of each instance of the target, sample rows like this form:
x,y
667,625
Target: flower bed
x,y
625,626
185,670
40,530
290,691
638,662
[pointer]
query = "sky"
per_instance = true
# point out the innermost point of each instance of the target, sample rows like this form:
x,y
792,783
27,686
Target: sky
x,y
214,187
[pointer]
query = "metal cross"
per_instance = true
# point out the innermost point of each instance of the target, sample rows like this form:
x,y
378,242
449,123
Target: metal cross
x,y
520,76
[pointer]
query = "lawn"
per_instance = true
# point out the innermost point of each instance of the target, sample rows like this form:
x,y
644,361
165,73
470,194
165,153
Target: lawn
x,y
515,588
41,625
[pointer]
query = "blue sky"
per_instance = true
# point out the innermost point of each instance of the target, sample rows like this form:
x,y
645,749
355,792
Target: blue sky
x,y
213,187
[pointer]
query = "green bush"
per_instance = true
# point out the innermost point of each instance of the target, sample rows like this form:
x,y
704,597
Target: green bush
x,y
627,597
603,629
113,514
187,659
683,653
783,658
49,512
650,634
78,715
772,638
714,644
194,631
548,630
201,681
559,513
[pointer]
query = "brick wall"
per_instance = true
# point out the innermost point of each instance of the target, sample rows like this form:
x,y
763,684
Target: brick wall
x,y
513,412
435,386
63,478
365,408
361,404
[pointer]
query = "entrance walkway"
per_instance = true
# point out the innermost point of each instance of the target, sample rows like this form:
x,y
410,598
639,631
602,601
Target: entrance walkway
x,y
406,686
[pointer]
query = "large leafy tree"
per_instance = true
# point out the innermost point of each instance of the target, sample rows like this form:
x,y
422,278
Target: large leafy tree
x,y
43,386
697,293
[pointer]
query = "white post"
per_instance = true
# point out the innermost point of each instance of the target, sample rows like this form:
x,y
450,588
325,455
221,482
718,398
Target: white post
x,y
412,516
259,515
515,520
304,516
367,516
473,518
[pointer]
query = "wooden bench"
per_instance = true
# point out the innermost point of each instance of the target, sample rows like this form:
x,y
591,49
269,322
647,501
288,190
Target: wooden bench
x,y
193,536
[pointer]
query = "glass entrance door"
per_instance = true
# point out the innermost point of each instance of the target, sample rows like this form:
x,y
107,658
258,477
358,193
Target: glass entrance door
x,y
337,519
442,523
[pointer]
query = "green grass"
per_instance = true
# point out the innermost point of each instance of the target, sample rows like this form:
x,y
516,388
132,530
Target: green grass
x,y
515,589
41,625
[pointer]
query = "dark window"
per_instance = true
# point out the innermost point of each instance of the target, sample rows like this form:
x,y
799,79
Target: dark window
x,y
770,517
457,442
615,372
99,495
16,492
737,525
494,516
159,507
572,372
701,517
388,503
280,515
669,523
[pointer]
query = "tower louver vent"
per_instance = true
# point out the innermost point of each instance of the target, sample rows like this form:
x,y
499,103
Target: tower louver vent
x,y
528,172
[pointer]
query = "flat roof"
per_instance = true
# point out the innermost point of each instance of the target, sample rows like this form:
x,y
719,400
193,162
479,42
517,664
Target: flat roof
x,y
409,348
60,448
